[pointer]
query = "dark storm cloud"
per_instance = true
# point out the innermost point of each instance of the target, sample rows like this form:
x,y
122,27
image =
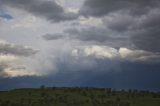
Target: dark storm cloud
x,y
143,31
103,7
17,50
53,36
45,9
119,22
138,19
147,39
135,76
99,35
146,33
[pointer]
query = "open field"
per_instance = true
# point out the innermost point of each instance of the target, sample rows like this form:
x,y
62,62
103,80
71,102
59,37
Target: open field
x,y
78,97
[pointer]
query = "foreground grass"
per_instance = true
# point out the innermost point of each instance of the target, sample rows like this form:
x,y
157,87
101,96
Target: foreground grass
x,y
78,97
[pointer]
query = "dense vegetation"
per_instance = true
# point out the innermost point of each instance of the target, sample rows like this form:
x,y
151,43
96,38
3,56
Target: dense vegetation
x,y
78,97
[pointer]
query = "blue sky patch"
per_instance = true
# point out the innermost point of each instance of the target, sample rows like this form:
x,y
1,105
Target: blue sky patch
x,y
6,16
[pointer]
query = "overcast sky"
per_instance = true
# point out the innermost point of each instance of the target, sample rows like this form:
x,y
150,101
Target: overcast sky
x,y
101,43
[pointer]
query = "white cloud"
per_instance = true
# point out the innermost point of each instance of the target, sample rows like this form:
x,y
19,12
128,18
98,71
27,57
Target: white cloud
x,y
7,58
19,72
91,21
138,55
72,10
105,52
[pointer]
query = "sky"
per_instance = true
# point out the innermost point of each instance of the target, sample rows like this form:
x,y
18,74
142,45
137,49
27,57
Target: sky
x,y
95,43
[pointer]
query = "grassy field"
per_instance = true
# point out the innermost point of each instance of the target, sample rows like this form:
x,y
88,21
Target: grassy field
x,y
78,97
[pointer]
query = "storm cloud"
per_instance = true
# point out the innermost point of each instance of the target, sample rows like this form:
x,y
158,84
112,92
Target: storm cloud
x,y
49,10
101,43
103,36
103,7
144,77
135,23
